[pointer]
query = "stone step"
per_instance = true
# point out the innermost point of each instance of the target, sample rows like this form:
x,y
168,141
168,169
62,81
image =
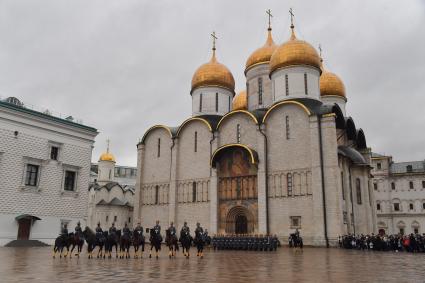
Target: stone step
x,y
26,243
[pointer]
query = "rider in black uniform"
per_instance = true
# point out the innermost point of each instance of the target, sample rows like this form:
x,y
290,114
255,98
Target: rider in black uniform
x,y
112,229
78,230
172,229
185,228
157,228
126,230
64,231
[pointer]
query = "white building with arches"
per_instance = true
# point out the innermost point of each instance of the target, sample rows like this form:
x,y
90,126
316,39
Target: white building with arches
x,y
279,156
399,189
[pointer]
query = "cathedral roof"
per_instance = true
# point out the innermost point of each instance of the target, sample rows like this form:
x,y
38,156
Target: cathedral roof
x,y
294,52
263,54
240,101
110,185
213,74
331,84
351,153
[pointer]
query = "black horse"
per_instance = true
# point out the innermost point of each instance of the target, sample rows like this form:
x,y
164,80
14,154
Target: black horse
x,y
101,243
61,242
138,240
186,241
113,240
200,242
125,243
76,240
172,243
155,240
90,238
295,241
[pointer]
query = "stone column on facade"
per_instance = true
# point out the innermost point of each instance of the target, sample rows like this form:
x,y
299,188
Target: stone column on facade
x,y
173,183
316,182
138,187
331,172
261,182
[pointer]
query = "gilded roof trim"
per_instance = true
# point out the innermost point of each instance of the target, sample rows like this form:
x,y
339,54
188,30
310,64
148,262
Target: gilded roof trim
x,y
253,154
235,112
156,127
194,119
284,103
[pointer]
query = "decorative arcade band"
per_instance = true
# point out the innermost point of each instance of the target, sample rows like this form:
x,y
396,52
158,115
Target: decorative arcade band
x,y
105,242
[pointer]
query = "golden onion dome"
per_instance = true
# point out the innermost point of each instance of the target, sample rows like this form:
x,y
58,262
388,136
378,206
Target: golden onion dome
x,y
213,73
294,52
331,84
263,54
106,156
240,102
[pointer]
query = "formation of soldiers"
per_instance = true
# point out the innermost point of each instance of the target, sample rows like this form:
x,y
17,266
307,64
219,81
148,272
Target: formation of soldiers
x,y
245,242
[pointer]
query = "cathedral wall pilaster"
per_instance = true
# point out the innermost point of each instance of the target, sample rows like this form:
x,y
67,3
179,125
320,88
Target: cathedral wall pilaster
x,y
173,182
261,182
137,194
214,189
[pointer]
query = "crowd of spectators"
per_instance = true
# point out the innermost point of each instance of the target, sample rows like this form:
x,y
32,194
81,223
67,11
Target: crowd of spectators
x,y
398,243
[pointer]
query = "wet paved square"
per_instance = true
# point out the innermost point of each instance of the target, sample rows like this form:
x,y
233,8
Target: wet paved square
x,y
285,265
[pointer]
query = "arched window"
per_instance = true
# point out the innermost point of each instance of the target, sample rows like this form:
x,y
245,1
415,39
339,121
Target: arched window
x,y
196,142
378,206
260,91
216,102
289,183
411,185
200,102
305,84
342,185
159,147
194,191
156,194
358,191
286,84
230,105
238,133
411,207
288,133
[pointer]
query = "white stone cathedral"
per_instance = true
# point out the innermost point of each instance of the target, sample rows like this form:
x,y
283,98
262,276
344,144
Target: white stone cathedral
x,y
280,156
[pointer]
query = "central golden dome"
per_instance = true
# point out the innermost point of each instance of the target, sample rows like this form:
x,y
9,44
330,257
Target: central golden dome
x,y
213,73
262,54
294,52
106,156
331,84
240,102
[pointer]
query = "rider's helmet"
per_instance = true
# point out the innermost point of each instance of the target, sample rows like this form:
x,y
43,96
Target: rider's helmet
x,y
98,223
172,223
198,224
185,223
78,224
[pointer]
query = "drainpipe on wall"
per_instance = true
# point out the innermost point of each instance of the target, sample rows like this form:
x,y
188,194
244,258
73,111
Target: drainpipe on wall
x,y
267,178
322,172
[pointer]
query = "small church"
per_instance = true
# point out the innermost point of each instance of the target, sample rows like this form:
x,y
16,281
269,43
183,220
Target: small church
x,y
281,155
108,200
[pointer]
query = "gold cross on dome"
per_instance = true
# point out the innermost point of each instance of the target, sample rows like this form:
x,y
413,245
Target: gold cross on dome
x,y
320,50
292,16
107,145
214,37
269,13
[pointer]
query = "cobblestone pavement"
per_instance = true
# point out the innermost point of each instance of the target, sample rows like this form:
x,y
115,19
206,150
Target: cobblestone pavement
x,y
285,265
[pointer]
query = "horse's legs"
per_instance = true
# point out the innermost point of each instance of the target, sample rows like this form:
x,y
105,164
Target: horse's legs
x,y
54,251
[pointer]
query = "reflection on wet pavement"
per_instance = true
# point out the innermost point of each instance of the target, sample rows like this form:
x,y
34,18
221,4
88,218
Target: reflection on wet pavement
x,y
285,265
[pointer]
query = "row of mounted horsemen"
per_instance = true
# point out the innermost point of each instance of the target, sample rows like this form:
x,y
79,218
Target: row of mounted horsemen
x,y
123,239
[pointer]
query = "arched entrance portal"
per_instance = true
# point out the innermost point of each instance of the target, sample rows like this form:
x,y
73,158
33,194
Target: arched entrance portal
x,y
237,188
239,220
241,225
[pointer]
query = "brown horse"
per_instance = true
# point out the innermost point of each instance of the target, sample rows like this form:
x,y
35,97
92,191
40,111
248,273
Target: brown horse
x,y
172,243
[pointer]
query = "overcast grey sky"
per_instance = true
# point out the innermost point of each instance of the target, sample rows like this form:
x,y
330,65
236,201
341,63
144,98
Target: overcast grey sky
x,y
123,66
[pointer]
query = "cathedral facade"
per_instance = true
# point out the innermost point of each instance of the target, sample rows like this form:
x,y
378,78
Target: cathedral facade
x,y
279,156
